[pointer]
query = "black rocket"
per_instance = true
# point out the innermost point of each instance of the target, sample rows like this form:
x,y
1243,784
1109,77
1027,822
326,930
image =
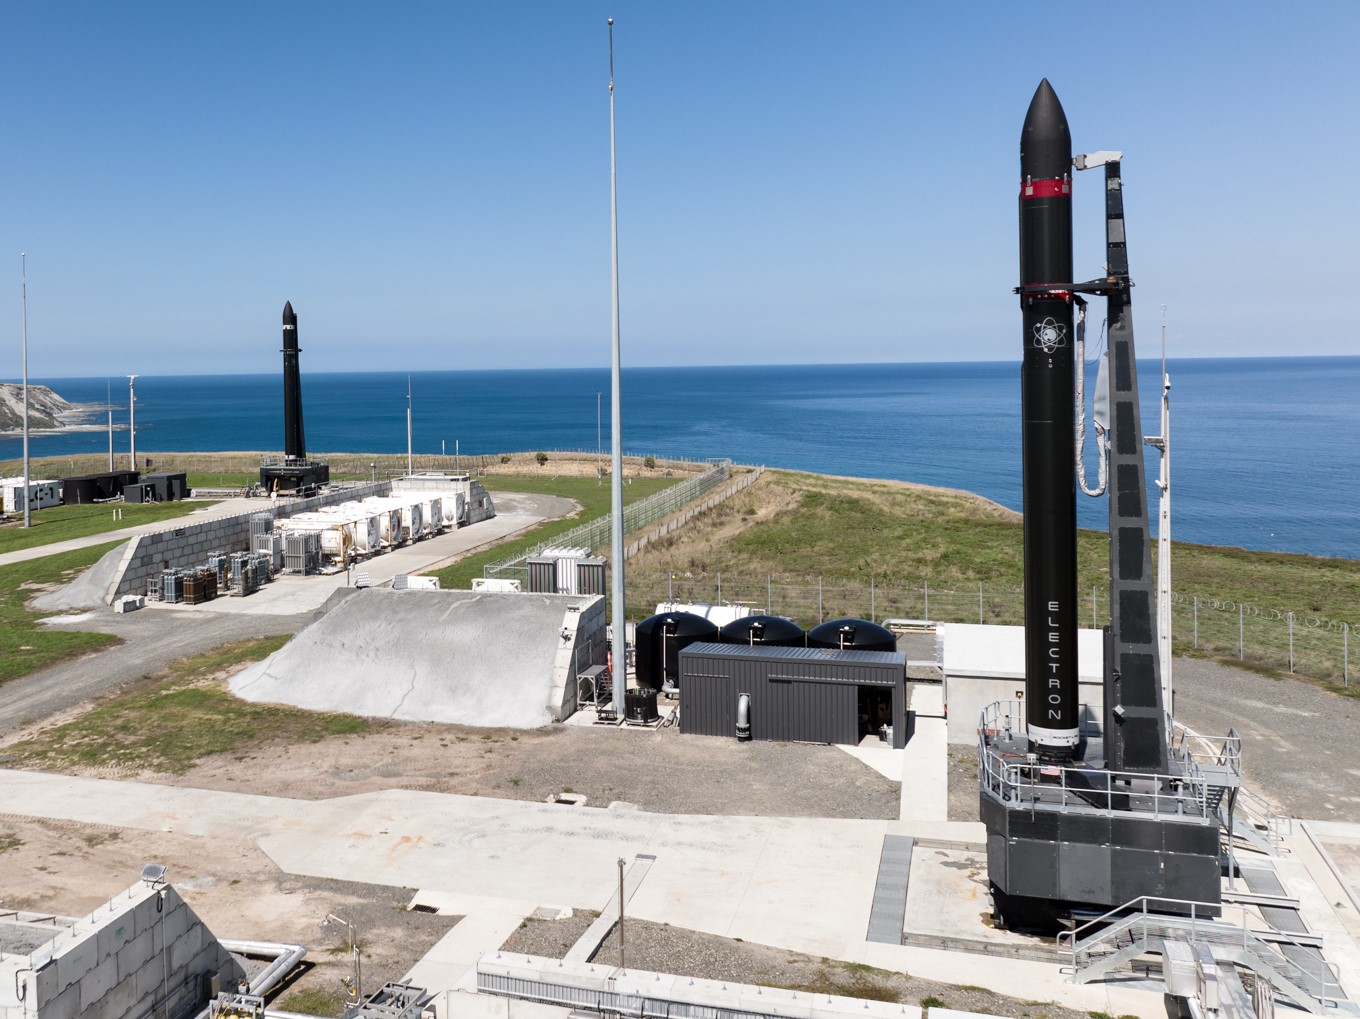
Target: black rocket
x,y
1046,387
294,443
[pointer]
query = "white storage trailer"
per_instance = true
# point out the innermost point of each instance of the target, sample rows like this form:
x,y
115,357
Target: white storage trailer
x,y
41,494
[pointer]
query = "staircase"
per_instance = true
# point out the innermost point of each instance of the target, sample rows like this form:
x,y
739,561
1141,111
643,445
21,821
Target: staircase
x,y
1292,963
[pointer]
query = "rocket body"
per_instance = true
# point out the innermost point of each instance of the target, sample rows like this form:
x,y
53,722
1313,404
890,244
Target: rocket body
x,y
294,443
1048,429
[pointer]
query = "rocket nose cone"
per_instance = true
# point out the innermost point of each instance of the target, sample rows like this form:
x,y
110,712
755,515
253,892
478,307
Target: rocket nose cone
x,y
1045,141
288,317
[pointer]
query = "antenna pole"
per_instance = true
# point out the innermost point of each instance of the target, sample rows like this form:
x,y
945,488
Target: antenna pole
x,y
23,277
108,388
619,644
410,469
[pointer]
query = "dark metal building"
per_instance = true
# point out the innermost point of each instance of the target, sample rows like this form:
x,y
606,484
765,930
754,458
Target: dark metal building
x,y
804,695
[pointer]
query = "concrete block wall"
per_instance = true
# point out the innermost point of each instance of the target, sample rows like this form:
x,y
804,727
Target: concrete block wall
x,y
144,951
585,624
189,544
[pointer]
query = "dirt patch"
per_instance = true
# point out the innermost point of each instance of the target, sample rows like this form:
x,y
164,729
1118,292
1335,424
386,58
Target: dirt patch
x,y
658,770
69,868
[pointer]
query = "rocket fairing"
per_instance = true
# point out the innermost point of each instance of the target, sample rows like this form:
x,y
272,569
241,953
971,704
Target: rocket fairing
x,y
1046,386
294,443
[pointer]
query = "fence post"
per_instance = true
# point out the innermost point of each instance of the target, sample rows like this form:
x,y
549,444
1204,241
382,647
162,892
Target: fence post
x,y
670,587
720,587
1241,642
1094,624
979,603
927,590
1196,622
873,608
1291,642
820,617
769,600
1345,654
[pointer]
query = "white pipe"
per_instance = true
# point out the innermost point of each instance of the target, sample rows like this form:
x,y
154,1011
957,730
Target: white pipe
x,y
285,957
744,716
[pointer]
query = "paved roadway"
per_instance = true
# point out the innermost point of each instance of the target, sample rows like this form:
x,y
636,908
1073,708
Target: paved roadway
x,y
160,634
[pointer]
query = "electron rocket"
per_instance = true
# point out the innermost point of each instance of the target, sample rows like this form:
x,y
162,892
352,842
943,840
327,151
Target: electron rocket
x,y
294,442
1048,428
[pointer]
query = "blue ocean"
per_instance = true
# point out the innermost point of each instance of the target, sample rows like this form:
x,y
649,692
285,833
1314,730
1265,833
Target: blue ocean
x,y
1265,451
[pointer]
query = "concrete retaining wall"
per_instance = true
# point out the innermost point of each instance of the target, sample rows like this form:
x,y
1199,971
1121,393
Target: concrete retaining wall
x,y
584,626
189,544
143,953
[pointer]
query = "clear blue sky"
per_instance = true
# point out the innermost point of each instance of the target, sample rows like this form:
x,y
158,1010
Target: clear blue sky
x,y
428,182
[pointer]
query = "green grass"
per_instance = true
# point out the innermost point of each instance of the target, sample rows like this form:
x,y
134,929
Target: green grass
x,y
178,717
593,497
25,644
848,531
311,1001
61,523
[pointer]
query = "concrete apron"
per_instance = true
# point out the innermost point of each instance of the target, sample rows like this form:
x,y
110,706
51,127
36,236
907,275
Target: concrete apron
x,y
801,884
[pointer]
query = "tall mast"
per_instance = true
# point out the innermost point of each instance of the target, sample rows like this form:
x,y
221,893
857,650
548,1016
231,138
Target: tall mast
x,y
23,276
619,614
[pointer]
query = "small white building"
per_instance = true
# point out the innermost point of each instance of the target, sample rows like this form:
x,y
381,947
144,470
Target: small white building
x,y
40,494
985,664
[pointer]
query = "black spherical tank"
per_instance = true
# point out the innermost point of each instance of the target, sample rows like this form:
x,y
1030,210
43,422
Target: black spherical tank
x,y
774,631
658,642
852,635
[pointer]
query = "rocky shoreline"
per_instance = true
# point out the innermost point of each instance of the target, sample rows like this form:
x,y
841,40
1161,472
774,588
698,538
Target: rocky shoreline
x,y
48,413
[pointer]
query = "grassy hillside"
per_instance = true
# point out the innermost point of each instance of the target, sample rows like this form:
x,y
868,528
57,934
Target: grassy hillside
x,y
810,546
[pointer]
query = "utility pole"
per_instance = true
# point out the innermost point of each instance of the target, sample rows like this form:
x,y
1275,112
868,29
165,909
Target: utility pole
x,y
23,275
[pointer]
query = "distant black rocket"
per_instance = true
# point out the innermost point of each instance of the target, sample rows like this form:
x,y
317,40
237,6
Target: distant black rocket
x,y
1046,388
294,443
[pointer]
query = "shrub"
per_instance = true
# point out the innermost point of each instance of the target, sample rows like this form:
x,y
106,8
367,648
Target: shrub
x,y
541,458
649,462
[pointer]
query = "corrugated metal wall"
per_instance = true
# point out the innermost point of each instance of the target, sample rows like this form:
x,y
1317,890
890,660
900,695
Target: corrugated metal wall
x,y
805,695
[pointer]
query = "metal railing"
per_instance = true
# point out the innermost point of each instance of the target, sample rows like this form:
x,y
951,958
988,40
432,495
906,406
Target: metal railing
x,y
1294,642
1022,779
596,533
1304,975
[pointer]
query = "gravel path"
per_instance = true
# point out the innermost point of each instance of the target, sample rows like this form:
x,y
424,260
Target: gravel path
x,y
151,640
666,949
1298,739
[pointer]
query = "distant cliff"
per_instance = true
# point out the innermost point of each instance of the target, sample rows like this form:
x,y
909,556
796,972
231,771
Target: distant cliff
x,y
46,410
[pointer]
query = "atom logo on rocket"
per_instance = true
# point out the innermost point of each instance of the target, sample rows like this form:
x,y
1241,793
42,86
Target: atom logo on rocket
x,y
1049,335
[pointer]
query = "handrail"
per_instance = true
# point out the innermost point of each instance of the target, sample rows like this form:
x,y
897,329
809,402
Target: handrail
x,y
1029,781
1137,915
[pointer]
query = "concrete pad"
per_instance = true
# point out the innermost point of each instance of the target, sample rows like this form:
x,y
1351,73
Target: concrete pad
x,y
467,657
882,758
925,765
452,963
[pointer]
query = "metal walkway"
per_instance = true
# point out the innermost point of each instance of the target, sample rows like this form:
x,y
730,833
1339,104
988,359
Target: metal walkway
x,y
888,917
589,942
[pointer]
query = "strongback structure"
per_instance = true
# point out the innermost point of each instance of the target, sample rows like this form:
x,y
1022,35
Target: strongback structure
x,y
295,471
1084,819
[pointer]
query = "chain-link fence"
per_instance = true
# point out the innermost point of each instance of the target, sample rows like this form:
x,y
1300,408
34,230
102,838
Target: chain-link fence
x,y
596,533
1275,639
